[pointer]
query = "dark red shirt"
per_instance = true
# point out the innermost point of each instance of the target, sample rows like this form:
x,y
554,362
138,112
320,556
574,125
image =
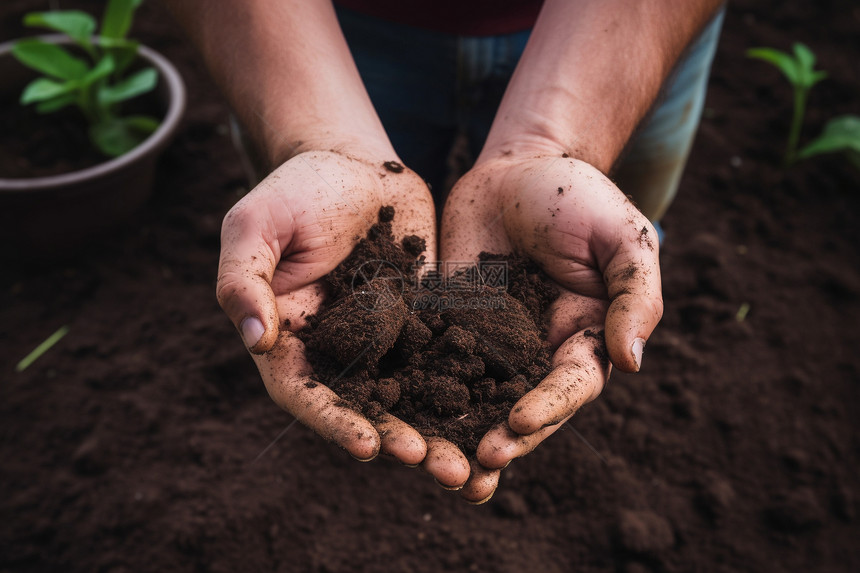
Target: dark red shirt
x,y
462,17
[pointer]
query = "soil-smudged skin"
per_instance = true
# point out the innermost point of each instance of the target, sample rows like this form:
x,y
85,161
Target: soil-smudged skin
x,y
451,372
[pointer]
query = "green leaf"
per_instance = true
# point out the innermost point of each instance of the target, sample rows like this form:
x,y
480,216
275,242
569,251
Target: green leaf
x,y
784,62
840,134
117,18
57,102
42,89
76,24
124,52
49,59
118,136
804,56
106,42
113,138
41,349
102,69
807,76
132,86
143,124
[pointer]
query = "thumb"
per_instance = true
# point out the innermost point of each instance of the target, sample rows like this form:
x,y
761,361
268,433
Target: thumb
x,y
244,289
636,306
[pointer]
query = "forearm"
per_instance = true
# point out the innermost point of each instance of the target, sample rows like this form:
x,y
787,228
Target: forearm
x,y
590,73
287,72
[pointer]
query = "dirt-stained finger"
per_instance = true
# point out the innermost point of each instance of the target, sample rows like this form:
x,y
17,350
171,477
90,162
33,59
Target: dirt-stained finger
x,y
501,444
446,463
482,484
245,270
633,284
401,440
286,375
580,370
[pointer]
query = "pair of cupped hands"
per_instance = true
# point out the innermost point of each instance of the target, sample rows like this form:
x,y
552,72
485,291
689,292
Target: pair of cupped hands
x,y
303,219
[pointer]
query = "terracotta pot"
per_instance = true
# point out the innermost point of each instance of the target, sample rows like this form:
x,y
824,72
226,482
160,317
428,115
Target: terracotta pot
x,y
51,217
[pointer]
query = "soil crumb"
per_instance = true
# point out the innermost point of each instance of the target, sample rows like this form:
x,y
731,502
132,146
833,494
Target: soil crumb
x,y
448,353
393,166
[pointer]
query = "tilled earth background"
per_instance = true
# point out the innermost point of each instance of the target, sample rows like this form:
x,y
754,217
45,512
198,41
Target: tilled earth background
x,y
134,444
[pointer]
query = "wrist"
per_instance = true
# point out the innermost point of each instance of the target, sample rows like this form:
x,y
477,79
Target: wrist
x,y
535,142
371,149
590,73
553,128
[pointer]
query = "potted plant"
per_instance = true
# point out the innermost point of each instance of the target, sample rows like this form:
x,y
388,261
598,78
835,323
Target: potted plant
x,y
113,103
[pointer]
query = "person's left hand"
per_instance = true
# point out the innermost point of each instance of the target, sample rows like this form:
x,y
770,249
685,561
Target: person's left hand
x,y
601,253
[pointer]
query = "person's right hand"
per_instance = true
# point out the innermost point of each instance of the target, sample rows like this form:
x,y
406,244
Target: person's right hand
x,y
277,243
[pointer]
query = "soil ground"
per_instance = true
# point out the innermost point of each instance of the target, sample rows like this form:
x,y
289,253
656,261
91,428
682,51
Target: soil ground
x,y
135,444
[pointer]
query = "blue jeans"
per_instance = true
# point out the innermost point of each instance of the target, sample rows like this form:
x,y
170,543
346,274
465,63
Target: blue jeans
x,y
429,87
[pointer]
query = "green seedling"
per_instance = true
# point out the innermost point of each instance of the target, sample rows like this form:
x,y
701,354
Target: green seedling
x,y
97,82
841,134
41,349
742,312
800,71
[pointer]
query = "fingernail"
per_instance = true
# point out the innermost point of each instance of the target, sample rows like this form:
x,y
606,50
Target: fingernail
x,y
480,502
252,331
394,458
637,348
448,487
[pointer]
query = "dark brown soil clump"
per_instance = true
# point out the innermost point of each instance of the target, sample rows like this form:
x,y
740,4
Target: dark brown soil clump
x,y
448,356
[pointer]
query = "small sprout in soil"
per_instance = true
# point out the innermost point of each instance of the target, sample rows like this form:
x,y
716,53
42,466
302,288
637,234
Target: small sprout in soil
x,y
96,84
41,349
840,134
742,312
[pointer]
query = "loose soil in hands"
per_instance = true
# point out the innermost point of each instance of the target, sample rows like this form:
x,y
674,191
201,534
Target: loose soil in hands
x,y
449,355
145,440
